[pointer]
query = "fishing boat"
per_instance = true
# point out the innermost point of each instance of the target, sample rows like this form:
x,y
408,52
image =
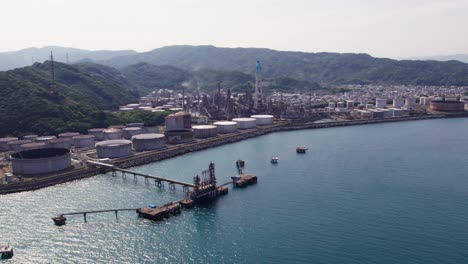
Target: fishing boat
x,y
274,160
6,252
301,149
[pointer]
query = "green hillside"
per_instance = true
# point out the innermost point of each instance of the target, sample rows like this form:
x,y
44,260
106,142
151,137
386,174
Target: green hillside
x,y
330,68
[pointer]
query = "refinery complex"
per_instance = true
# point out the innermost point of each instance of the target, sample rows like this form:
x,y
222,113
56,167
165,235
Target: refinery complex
x,y
198,120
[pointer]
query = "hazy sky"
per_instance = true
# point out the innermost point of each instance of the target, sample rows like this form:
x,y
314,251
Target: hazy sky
x,y
390,28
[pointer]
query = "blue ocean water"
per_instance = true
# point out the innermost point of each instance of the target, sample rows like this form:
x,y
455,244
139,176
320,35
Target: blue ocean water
x,y
384,193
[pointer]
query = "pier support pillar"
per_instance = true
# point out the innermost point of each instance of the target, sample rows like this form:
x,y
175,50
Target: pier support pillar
x,y
114,173
84,216
172,186
124,175
135,178
146,180
116,214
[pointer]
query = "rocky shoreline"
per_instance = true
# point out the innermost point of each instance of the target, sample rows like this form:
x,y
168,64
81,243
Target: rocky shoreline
x,y
173,151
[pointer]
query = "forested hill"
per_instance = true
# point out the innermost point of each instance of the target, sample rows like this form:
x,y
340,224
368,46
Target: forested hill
x,y
27,105
332,68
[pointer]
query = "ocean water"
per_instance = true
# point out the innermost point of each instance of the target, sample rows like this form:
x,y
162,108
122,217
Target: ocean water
x,y
384,193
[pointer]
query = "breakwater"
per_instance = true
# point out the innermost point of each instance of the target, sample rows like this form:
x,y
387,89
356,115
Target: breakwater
x,y
199,144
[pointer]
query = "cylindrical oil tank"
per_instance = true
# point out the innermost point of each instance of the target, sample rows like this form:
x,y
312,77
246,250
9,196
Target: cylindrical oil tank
x,y
179,136
129,132
447,106
4,143
65,143
151,129
135,125
30,137
263,120
117,127
33,145
148,142
40,161
380,103
225,127
114,148
205,131
98,133
44,139
83,141
69,135
113,133
245,123
16,145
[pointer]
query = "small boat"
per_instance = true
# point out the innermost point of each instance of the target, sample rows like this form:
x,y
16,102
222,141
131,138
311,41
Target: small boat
x,y
6,252
59,220
274,160
301,149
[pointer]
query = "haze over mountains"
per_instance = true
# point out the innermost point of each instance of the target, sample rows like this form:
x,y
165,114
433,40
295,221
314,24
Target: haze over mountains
x,y
326,68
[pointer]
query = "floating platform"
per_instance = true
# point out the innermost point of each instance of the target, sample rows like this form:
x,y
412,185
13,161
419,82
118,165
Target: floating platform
x,y
274,160
159,213
244,179
223,190
59,220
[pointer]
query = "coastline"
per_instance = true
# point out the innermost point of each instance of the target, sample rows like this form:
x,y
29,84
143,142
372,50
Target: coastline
x,y
199,144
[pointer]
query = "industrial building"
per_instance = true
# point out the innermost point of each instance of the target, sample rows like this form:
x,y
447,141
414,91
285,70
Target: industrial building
x,y
205,131
40,161
4,143
447,106
114,148
245,122
144,142
83,141
179,120
98,133
263,120
225,127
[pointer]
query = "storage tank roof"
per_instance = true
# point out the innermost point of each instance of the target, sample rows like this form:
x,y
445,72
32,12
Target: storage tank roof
x,y
243,119
225,123
113,143
40,153
7,139
33,145
148,136
83,137
112,130
262,116
204,127
96,129
19,142
60,140
69,134
132,128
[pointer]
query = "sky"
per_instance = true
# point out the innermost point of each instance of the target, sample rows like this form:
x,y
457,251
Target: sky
x,y
382,28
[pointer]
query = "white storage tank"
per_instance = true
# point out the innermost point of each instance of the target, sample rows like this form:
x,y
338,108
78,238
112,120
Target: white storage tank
x,y
114,148
69,135
340,105
152,141
331,104
83,141
44,139
263,120
30,137
40,161
112,133
33,145
225,127
380,103
65,143
129,132
245,122
350,104
98,133
16,145
4,143
205,131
